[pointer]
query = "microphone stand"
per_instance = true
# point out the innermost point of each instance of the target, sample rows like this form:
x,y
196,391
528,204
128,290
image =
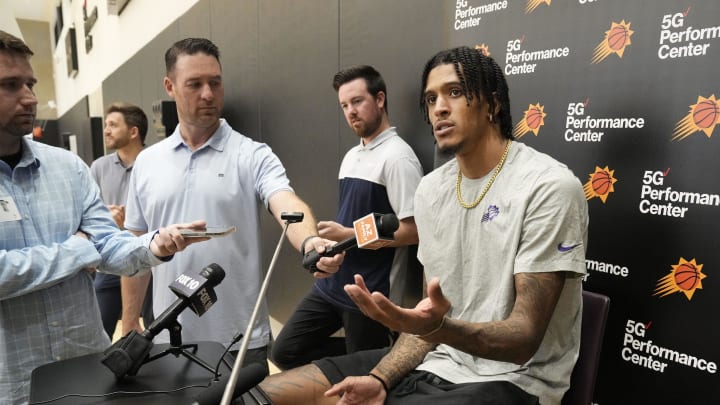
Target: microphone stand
x,y
177,348
289,218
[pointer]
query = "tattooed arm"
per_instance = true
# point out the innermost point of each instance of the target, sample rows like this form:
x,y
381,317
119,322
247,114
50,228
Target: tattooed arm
x,y
517,338
514,339
407,353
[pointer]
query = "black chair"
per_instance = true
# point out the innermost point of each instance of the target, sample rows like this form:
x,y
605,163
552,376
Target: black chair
x,y
582,380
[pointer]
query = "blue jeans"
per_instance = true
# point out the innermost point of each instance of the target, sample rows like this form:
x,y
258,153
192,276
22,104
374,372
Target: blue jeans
x,y
110,303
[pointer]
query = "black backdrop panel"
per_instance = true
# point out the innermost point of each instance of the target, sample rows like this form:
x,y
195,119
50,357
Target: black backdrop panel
x,y
297,45
234,29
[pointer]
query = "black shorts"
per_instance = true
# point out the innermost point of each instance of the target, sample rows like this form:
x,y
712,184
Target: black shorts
x,y
422,387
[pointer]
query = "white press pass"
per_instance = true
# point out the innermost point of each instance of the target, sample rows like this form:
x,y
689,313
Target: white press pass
x,y
8,210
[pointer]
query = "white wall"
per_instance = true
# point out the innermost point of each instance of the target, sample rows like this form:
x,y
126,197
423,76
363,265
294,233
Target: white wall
x,y
115,40
7,20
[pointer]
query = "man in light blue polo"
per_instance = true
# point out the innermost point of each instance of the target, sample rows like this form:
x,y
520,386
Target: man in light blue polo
x,y
206,168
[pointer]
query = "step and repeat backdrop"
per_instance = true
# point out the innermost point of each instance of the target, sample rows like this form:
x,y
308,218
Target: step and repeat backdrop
x,y
627,94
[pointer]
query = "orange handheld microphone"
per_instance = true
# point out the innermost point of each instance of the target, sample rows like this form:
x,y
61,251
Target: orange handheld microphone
x,y
372,231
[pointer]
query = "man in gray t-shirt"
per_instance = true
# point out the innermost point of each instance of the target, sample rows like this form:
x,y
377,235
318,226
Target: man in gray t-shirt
x,y
125,129
502,231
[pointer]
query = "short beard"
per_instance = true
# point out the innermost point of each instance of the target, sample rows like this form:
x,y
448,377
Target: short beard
x,y
17,131
371,128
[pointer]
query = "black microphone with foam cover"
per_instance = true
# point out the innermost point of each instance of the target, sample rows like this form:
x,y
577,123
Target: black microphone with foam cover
x,y
385,224
192,291
126,355
248,377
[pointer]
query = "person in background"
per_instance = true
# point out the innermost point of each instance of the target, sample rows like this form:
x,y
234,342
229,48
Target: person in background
x,y
502,231
206,168
379,175
54,231
126,126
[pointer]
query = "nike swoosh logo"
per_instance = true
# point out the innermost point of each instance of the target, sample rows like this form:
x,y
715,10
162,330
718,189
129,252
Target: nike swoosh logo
x,y
562,248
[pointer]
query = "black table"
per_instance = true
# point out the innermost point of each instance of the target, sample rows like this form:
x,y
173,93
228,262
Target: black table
x,y
86,375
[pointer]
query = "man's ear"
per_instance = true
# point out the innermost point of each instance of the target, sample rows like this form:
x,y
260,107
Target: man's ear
x,y
380,99
169,89
497,104
492,115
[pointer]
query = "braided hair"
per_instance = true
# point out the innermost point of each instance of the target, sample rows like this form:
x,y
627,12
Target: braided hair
x,y
480,76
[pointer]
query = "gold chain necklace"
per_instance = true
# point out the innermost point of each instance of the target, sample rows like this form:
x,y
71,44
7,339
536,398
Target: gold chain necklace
x,y
487,186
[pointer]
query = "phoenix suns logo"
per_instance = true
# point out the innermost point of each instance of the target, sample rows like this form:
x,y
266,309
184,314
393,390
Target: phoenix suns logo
x,y
600,184
533,4
702,117
617,38
533,119
484,49
685,277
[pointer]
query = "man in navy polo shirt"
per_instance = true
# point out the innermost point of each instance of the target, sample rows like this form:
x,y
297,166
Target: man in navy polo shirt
x,y
379,175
